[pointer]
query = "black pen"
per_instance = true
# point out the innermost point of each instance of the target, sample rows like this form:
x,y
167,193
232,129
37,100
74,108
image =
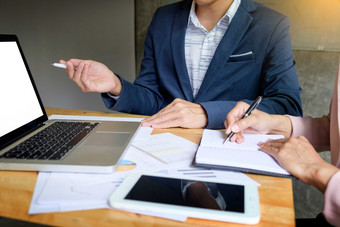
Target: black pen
x,y
248,112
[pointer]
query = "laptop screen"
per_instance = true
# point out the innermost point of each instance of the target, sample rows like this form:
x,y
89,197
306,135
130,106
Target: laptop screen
x,y
20,104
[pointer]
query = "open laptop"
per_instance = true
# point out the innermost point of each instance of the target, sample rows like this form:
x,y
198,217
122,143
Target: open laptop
x,y
31,142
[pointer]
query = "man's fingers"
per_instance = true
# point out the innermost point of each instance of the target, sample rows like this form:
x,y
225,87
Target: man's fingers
x,y
152,118
76,62
70,70
84,79
171,123
179,113
164,114
159,118
166,110
77,78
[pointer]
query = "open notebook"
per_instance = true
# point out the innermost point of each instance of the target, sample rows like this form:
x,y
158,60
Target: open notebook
x,y
244,157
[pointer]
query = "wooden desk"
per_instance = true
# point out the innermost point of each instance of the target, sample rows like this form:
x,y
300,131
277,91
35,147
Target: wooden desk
x,y
16,190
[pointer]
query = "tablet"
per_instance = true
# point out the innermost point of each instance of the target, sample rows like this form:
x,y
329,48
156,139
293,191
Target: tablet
x,y
191,197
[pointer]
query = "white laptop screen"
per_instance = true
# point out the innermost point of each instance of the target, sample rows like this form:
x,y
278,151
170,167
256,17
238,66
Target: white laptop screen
x,y
18,99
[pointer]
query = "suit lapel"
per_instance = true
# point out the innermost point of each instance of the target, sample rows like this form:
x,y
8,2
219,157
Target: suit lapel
x,y
229,42
177,48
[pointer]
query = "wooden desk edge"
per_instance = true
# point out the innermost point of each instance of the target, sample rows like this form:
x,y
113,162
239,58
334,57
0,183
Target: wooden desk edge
x,y
274,211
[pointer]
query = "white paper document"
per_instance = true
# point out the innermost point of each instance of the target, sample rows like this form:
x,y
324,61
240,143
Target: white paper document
x,y
167,148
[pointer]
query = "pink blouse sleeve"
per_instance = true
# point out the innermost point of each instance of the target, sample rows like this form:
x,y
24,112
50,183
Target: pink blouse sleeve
x,y
316,130
332,200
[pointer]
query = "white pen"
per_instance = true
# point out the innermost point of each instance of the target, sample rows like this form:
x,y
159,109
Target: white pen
x,y
59,65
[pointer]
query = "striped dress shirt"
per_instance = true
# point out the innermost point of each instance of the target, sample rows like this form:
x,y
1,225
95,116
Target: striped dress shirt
x,y
200,44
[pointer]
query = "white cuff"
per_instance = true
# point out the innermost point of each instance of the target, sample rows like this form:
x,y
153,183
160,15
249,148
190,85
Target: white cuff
x,y
112,96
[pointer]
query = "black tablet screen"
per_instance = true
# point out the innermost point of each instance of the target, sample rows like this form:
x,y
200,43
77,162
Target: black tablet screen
x,y
201,194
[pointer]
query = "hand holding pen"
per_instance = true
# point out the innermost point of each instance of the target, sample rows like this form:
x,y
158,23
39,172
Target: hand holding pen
x,y
252,107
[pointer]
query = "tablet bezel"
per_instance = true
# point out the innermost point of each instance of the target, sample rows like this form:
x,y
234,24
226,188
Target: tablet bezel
x,y
251,213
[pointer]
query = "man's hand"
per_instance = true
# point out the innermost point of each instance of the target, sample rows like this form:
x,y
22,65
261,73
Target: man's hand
x,y
92,76
299,158
179,113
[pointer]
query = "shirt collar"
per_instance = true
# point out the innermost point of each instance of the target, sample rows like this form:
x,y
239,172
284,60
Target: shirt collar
x,y
230,13
233,9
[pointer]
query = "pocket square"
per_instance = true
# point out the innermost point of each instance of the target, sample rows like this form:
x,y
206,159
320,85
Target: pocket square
x,y
240,55
249,56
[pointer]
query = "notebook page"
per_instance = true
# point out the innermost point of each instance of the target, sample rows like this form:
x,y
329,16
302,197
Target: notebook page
x,y
249,159
214,138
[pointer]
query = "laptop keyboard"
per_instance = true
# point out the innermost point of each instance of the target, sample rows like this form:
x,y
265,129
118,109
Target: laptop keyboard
x,y
52,143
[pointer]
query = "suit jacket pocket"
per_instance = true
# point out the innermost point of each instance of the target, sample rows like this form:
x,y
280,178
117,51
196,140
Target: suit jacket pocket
x,y
249,56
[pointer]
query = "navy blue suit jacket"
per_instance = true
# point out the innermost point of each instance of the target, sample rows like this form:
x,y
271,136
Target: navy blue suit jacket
x,y
233,75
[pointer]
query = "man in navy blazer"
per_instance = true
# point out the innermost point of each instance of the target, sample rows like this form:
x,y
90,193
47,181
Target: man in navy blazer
x,y
254,57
